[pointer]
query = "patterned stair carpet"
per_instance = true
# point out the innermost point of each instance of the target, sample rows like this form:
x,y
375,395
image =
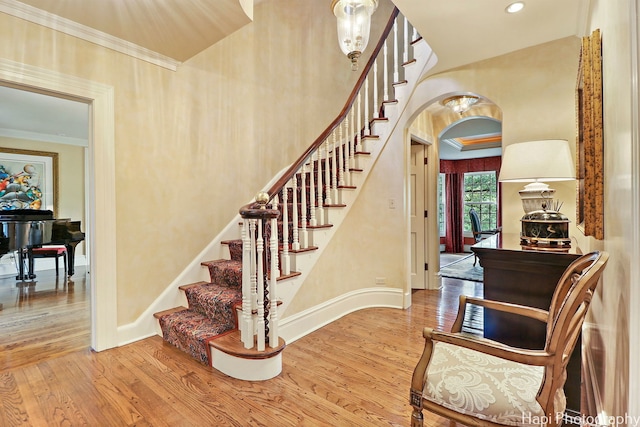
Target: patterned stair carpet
x,y
212,308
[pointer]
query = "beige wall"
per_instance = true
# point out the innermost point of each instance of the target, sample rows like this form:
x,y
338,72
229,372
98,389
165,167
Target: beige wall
x,y
227,119
70,177
610,316
369,243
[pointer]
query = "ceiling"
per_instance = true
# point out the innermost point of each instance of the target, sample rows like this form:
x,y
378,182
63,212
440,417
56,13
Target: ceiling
x,y
460,32
177,29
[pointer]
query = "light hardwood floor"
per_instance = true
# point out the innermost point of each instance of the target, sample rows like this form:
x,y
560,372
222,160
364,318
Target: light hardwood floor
x,y
353,372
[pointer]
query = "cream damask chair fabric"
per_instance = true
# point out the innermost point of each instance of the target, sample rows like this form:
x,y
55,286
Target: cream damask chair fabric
x,y
480,382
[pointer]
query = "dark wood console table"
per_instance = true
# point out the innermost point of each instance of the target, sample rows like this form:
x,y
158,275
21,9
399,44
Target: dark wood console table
x,y
524,275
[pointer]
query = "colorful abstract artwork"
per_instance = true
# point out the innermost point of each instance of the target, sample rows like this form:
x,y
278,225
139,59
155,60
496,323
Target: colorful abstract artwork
x,y
27,179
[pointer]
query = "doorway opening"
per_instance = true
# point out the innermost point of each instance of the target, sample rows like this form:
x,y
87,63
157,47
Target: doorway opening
x,y
100,184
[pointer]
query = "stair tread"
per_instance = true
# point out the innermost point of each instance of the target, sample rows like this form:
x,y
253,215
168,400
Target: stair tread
x,y
313,227
191,332
231,344
302,250
221,262
169,311
288,276
190,285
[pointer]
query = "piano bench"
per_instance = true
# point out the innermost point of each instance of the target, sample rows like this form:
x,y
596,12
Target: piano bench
x,y
52,252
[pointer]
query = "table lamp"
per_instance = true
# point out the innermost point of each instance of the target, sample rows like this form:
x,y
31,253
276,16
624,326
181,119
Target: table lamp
x,y
537,162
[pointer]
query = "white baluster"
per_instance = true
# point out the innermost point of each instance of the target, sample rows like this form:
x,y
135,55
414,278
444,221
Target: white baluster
x,y
405,54
327,175
320,207
415,34
358,141
312,194
345,151
375,89
253,270
260,338
366,110
385,69
247,323
352,146
294,216
274,231
286,259
273,285
304,237
396,66
334,169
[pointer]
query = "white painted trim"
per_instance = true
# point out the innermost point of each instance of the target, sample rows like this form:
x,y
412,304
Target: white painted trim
x,y
72,28
36,136
102,201
314,318
634,275
246,369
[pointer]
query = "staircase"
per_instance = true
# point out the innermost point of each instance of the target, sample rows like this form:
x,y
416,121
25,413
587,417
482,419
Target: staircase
x,y
232,321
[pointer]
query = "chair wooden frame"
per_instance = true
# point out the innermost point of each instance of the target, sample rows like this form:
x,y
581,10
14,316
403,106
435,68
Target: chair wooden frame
x,y
564,320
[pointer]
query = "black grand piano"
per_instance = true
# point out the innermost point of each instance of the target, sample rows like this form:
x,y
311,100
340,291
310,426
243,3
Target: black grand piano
x,y
22,230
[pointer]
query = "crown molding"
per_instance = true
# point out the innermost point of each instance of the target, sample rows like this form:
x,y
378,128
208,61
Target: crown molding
x,y
66,26
35,136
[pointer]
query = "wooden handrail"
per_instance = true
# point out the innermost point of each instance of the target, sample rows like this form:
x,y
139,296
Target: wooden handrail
x,y
293,169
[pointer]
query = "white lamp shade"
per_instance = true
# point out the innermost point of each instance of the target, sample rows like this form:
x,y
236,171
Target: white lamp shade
x,y
354,23
533,161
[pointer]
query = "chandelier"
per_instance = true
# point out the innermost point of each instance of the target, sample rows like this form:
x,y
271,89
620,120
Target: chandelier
x,y
354,23
460,103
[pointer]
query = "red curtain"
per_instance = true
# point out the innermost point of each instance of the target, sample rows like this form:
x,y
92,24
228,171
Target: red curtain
x,y
454,171
453,241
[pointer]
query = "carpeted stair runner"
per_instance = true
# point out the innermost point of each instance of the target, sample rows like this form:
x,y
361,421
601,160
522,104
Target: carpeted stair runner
x,y
212,307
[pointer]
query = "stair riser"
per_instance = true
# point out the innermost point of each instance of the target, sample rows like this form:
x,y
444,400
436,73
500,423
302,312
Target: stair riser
x,y
216,303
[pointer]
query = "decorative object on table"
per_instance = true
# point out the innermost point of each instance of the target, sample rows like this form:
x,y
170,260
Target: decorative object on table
x,y
590,139
354,24
537,162
545,227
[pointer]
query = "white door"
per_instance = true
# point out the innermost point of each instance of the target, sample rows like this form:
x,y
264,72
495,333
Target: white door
x,y
417,205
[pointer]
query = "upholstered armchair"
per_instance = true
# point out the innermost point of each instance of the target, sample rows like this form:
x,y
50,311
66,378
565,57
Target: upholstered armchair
x,y
479,382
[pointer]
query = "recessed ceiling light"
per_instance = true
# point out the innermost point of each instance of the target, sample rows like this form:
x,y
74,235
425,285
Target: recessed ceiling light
x,y
515,7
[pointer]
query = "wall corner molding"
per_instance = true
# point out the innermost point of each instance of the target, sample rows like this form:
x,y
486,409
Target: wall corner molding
x,y
66,26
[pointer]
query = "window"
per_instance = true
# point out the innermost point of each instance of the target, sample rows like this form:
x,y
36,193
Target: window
x,y
481,193
442,224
